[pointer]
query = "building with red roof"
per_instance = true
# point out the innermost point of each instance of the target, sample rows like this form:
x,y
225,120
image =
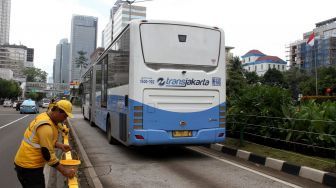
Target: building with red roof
x,y
256,61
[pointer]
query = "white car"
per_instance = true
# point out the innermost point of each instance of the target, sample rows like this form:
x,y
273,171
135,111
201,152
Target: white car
x,y
45,103
7,103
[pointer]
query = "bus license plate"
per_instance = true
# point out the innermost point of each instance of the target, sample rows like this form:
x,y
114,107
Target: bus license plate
x,y
182,133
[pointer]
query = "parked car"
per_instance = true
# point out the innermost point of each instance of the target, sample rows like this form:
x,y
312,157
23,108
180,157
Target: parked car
x,y
18,105
29,106
7,103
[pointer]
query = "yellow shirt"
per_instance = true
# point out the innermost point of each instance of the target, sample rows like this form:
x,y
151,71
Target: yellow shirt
x,y
43,133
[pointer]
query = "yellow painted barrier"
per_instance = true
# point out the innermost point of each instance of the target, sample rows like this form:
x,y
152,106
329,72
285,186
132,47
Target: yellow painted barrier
x,y
72,182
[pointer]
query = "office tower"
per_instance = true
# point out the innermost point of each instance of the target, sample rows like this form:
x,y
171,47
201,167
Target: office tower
x,y
83,38
5,7
120,15
62,66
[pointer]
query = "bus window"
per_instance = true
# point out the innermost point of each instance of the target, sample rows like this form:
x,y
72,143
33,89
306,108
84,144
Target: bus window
x,y
180,46
104,82
118,62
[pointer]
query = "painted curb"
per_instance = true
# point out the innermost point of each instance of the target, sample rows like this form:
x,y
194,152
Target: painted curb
x,y
319,176
90,173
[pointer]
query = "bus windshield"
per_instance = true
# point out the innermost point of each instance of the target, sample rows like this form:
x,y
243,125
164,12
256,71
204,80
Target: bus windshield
x,y
187,46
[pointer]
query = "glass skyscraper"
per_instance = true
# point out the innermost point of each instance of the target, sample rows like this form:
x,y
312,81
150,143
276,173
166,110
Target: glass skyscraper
x,y
61,64
5,7
83,38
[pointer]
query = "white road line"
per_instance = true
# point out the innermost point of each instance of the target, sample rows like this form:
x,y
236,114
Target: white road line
x,y
8,114
13,122
245,168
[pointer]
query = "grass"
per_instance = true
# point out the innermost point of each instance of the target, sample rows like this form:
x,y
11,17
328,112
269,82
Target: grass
x,y
324,164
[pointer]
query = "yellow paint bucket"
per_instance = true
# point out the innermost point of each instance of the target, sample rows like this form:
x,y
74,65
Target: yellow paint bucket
x,y
71,164
70,160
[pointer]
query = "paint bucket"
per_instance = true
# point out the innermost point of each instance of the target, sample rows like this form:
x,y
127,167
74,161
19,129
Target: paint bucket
x,y
70,160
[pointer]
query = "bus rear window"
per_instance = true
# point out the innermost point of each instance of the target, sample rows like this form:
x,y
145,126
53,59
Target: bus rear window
x,y
167,44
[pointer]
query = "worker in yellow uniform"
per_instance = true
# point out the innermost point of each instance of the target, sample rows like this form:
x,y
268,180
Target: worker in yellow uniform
x,y
37,146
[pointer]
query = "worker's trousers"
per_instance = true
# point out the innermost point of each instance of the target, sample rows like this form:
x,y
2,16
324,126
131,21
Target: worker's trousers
x,y
30,177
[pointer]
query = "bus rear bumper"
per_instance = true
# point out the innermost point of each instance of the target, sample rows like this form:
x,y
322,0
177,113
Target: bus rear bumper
x,y
158,137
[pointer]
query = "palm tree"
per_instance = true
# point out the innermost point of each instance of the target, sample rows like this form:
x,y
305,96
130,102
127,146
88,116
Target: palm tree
x,y
81,61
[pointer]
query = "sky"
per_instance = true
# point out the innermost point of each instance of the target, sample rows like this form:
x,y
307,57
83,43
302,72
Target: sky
x,y
265,25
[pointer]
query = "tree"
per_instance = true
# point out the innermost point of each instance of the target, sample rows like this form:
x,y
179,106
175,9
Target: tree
x,y
12,89
33,96
326,78
274,77
235,78
35,75
293,77
252,77
81,61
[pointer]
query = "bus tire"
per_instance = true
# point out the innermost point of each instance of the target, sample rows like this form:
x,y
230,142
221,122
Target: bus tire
x,y
92,124
110,139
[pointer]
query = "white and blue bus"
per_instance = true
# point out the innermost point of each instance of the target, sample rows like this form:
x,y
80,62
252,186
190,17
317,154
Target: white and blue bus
x,y
160,83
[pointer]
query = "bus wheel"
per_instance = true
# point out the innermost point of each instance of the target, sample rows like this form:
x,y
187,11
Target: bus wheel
x,y
110,139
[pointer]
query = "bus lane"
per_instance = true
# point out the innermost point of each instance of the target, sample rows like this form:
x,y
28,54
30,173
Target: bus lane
x,y
161,166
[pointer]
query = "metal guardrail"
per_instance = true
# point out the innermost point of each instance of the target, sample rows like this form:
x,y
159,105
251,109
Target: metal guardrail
x,y
273,129
72,182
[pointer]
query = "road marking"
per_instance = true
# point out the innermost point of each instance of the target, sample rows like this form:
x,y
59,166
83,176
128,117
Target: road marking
x,y
8,114
13,122
245,168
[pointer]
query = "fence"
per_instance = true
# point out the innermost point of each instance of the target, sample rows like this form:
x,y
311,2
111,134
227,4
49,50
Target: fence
x,y
313,137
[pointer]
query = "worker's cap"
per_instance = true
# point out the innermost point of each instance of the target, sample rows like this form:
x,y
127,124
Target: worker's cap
x,y
66,106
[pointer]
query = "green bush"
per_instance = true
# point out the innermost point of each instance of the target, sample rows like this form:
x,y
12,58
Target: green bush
x,y
316,121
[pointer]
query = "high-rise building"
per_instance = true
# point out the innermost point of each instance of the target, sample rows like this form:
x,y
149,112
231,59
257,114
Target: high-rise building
x,y
120,15
322,53
14,57
30,58
5,7
83,38
61,63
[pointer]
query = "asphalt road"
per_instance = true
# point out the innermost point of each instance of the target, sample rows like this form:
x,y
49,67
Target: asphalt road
x,y
119,166
12,127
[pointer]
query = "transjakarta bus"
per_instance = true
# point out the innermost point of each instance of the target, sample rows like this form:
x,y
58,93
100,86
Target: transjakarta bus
x,y
161,83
